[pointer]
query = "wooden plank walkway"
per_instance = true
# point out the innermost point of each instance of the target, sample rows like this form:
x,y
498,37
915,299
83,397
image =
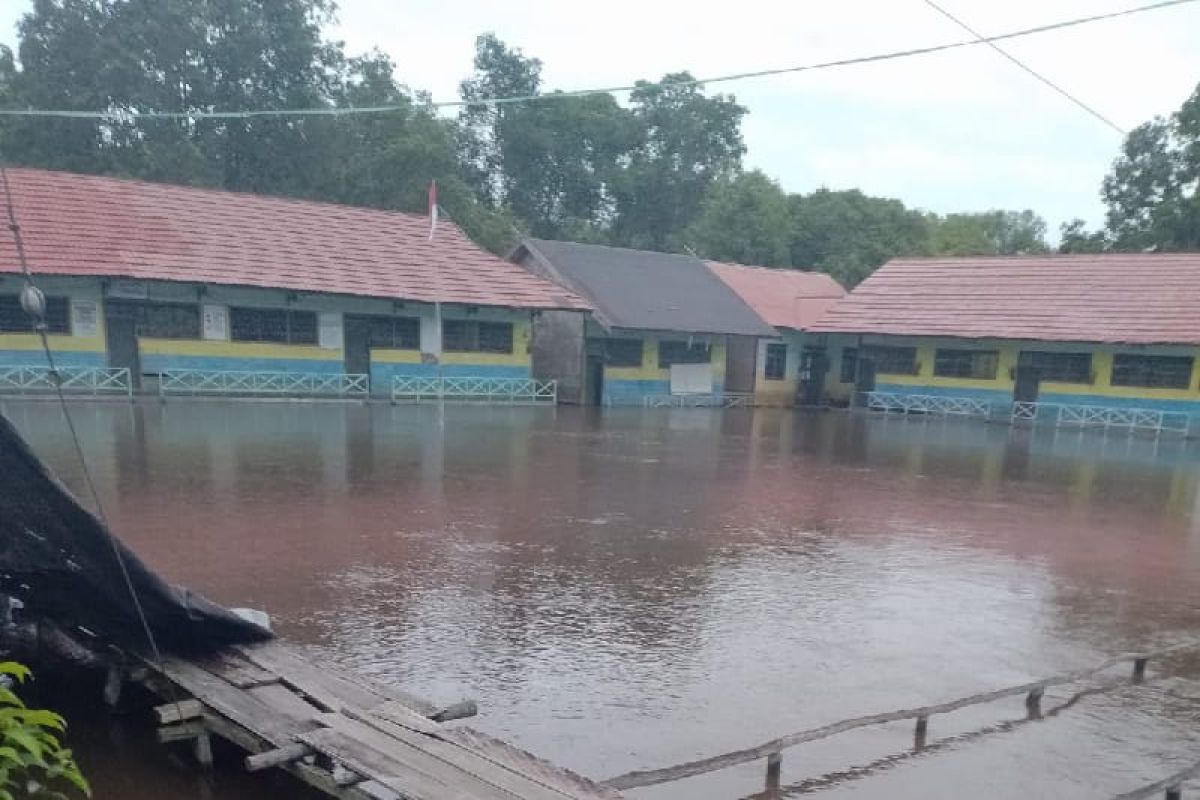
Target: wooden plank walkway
x,y
343,734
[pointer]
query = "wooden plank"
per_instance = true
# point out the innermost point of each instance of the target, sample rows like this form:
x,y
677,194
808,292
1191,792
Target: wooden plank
x,y
408,781
323,687
335,690
179,711
497,775
277,757
285,701
416,755
237,669
231,702
401,714
526,763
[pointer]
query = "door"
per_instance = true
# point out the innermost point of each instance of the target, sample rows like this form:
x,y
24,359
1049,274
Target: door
x,y
357,345
120,332
813,365
741,357
595,380
1026,385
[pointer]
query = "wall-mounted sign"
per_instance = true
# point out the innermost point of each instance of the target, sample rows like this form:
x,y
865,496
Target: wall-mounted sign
x,y
329,330
128,290
85,316
215,323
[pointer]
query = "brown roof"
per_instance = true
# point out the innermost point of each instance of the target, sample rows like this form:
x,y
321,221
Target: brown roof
x,y
1135,298
785,298
99,226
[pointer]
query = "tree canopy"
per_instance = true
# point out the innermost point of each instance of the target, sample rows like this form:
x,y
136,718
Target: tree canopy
x,y
662,170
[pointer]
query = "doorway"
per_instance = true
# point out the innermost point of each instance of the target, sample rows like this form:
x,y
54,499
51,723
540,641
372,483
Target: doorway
x,y
357,345
1027,384
595,380
120,334
813,365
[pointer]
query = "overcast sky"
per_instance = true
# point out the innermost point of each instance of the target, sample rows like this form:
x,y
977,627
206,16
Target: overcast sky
x,y
961,130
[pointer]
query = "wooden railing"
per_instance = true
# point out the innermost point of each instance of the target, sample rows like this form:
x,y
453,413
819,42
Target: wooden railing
x,y
772,751
1171,786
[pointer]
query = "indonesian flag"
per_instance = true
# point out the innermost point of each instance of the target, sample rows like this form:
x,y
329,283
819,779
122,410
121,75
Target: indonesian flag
x,y
433,208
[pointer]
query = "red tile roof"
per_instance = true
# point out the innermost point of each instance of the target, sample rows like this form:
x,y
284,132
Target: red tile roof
x,y
785,298
1134,298
98,226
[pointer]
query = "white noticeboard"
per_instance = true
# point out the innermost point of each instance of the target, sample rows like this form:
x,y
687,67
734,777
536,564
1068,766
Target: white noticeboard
x,y
691,379
216,323
329,330
85,315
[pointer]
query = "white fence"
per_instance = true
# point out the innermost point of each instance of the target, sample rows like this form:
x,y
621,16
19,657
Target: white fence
x,y
937,405
712,400
251,383
76,380
1106,417
415,389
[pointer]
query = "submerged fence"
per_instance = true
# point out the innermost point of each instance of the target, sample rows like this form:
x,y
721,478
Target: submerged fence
x,y
772,751
711,400
413,389
76,380
253,383
1059,415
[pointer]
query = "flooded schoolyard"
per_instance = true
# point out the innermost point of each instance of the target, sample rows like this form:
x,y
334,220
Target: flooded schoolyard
x,y
627,589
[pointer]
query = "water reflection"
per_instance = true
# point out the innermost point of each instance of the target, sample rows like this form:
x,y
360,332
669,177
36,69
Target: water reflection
x,y
633,588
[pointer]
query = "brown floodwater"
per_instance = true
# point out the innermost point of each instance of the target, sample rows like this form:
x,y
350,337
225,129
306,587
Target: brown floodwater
x,y
633,588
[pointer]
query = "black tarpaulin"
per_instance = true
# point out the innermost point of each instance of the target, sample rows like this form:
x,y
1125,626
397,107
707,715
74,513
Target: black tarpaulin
x,y
57,558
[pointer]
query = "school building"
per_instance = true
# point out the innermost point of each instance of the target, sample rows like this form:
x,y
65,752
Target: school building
x,y
1107,332
166,279
663,328
790,301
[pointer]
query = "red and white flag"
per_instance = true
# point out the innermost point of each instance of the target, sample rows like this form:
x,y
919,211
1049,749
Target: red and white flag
x,y
433,209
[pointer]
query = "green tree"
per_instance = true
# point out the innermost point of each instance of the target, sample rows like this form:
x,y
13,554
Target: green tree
x,y
989,233
33,762
552,161
1074,237
849,234
744,219
686,142
1151,192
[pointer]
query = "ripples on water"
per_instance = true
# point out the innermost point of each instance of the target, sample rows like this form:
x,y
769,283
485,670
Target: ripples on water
x,y
637,588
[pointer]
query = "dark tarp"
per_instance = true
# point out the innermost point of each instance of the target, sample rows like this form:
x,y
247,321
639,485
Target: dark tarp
x,y
57,558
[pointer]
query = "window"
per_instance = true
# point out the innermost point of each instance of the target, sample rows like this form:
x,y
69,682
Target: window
x,y
976,364
13,318
775,366
849,365
159,320
1058,367
282,325
893,360
393,333
623,352
471,336
683,353
1163,372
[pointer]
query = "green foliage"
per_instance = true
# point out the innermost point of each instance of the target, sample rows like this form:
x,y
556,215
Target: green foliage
x,y
1151,192
33,762
746,220
991,233
849,234
1074,237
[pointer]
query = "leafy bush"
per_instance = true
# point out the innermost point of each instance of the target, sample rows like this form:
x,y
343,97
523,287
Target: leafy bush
x,y
32,759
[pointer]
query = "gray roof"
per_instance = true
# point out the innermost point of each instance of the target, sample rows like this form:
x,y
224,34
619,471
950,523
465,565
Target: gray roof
x,y
643,290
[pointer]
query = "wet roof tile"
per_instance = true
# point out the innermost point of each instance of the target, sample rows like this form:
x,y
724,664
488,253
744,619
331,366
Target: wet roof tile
x,y
100,226
1133,298
785,298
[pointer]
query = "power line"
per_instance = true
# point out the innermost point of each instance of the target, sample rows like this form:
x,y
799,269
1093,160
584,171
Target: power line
x,y
333,111
992,44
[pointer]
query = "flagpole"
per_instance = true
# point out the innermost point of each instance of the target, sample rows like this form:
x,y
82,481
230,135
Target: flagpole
x,y
437,307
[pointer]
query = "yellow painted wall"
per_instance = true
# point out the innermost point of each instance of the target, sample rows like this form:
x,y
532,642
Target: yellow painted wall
x,y
1102,361
650,371
58,342
216,349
